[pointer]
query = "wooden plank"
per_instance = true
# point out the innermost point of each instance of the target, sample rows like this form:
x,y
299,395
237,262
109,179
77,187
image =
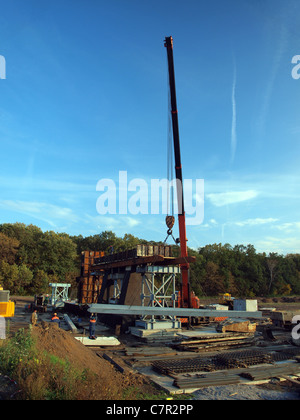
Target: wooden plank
x,y
216,339
293,381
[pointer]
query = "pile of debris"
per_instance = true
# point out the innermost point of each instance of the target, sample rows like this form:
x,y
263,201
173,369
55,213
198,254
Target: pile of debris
x,y
228,368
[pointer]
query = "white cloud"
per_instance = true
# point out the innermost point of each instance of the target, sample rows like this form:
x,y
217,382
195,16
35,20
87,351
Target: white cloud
x,y
255,222
131,222
46,212
231,197
288,227
290,245
116,222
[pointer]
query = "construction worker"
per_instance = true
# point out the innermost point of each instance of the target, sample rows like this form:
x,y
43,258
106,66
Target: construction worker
x,y
93,320
55,318
34,318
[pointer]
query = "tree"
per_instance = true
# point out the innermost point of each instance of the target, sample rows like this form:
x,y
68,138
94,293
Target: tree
x,y
9,275
40,282
213,281
25,277
272,263
8,248
57,254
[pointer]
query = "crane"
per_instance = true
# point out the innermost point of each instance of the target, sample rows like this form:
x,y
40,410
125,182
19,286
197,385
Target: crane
x,y
185,294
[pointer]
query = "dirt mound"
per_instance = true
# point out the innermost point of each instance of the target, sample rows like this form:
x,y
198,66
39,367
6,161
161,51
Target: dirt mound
x,y
109,383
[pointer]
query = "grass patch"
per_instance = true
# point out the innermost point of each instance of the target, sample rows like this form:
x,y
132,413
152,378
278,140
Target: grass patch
x,y
42,377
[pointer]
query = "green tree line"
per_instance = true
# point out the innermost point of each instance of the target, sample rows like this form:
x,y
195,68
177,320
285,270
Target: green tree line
x,y
30,259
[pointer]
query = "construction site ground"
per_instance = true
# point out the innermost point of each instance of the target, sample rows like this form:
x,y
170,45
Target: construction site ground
x,y
130,364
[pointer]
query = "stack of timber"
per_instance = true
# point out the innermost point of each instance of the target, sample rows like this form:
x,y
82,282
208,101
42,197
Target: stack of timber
x,y
89,285
89,290
207,341
236,326
166,335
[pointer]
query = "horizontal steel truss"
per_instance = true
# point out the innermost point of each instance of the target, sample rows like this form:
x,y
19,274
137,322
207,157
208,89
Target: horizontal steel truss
x,y
160,311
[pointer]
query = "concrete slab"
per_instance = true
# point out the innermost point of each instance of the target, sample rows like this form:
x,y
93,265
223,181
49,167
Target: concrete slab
x,y
157,325
99,341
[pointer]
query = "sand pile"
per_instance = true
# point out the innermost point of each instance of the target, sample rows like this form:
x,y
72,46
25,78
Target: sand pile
x,y
109,383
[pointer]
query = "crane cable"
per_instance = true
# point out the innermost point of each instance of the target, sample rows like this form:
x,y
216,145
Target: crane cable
x,y
170,219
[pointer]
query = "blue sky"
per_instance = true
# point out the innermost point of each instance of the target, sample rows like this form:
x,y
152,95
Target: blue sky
x,y
85,96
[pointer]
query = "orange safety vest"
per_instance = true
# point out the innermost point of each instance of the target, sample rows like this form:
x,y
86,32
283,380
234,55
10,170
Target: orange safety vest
x,y
92,320
55,317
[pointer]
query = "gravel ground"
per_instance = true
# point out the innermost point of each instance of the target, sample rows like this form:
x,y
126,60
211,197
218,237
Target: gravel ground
x,y
244,392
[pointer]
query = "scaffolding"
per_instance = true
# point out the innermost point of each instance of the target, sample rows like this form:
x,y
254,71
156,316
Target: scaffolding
x,y
59,294
158,290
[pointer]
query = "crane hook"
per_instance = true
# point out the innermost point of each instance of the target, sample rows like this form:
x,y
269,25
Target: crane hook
x,y
170,221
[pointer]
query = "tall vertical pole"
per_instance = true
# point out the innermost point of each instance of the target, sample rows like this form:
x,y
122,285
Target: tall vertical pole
x,y
185,292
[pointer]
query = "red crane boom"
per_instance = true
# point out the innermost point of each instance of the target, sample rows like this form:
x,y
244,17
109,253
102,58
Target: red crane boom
x,y
185,294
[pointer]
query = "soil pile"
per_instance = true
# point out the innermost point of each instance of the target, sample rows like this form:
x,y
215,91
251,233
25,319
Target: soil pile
x,y
108,383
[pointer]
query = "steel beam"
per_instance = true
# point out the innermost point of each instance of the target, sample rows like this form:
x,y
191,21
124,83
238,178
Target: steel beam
x,y
164,311
70,323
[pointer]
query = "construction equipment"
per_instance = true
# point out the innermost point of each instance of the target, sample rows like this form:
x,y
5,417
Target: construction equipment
x,y
185,293
40,303
227,300
284,319
281,326
7,307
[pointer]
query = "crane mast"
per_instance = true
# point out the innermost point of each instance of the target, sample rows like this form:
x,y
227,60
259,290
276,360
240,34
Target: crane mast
x,y
185,289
